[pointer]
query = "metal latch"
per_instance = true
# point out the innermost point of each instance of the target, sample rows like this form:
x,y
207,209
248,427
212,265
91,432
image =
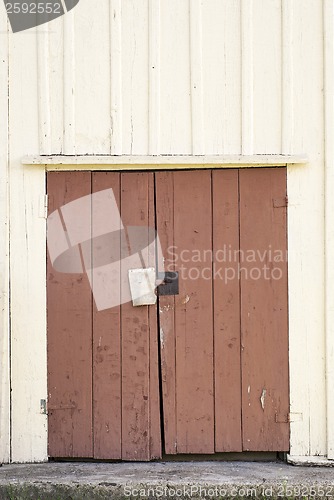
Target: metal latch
x,y
170,284
145,285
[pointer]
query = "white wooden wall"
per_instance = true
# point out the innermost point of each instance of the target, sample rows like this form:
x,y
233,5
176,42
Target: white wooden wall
x,y
4,250
141,77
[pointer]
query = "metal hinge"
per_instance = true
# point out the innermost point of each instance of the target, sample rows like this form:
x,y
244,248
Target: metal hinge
x,y
43,407
43,206
280,202
285,418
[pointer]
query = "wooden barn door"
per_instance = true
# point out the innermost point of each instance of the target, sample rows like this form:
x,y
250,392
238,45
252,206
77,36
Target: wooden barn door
x,y
103,385
210,363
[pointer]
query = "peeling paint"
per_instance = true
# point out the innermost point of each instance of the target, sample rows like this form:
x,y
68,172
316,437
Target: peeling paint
x,y
162,338
165,308
186,299
263,397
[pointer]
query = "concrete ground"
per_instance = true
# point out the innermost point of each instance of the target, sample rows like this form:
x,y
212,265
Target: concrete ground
x,y
164,480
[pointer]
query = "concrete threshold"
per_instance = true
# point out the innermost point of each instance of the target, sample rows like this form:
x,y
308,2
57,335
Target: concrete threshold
x,y
165,480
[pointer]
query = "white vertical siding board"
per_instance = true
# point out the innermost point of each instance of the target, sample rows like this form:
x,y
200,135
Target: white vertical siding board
x,y
43,67
92,77
298,319
287,78
306,240
135,76
317,344
4,251
267,76
176,137
154,77
298,350
247,89
56,85
69,144
28,257
329,216
196,73
222,76
116,76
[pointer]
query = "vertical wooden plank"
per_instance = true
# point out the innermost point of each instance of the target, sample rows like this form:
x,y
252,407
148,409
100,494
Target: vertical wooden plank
x,y
226,296
4,250
264,310
222,76
56,85
44,112
154,388
69,83
247,77
298,352
328,14
267,76
135,331
165,227
107,410
154,77
193,313
135,76
306,254
316,370
175,92
196,76
28,257
287,77
69,343
116,76
92,71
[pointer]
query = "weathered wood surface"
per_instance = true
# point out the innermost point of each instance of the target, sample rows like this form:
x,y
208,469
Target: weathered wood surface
x,y
135,332
107,379
193,315
226,307
4,255
69,340
165,228
107,383
264,310
214,342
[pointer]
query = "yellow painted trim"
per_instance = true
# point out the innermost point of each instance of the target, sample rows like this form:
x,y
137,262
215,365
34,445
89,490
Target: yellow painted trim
x,y
161,162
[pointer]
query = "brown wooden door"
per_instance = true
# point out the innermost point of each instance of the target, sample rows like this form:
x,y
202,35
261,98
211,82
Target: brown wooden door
x,y
211,363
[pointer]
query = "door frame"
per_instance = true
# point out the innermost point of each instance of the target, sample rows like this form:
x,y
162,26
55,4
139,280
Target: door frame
x,y
223,186
126,163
